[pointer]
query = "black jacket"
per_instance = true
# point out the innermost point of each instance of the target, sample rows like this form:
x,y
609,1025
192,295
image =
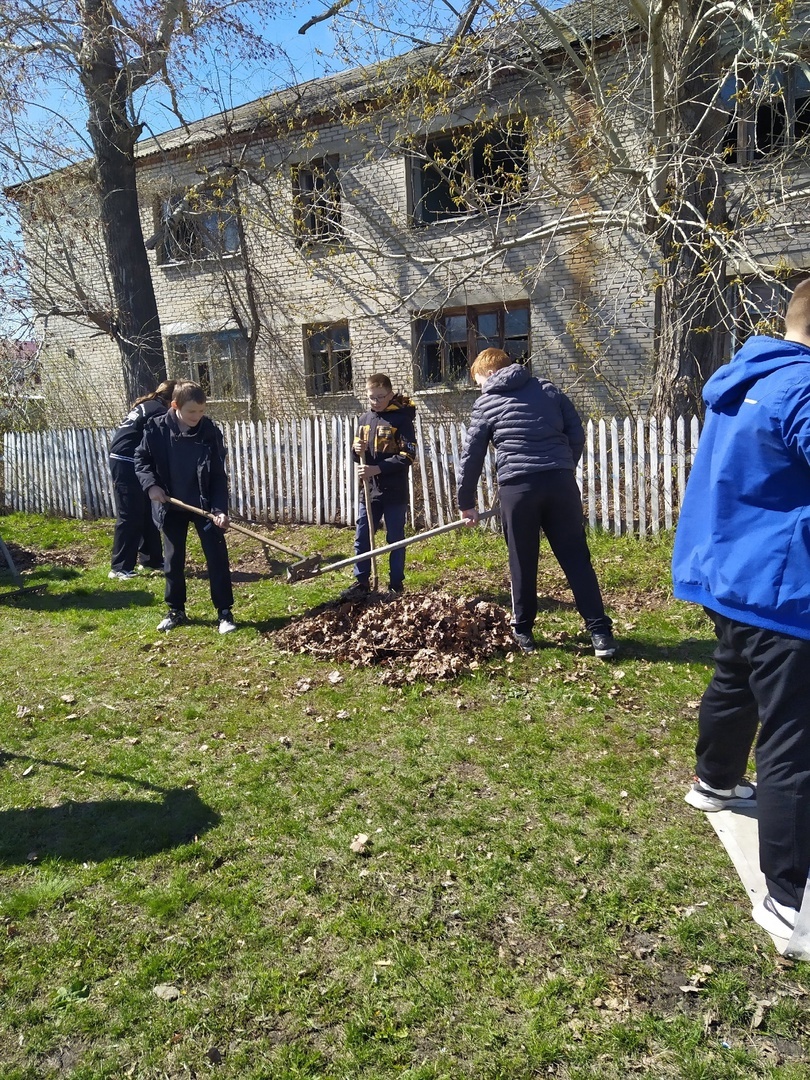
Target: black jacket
x,y
391,444
209,480
126,438
531,423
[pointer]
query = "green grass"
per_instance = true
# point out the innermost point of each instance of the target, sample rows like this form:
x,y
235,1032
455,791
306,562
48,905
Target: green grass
x,y
179,810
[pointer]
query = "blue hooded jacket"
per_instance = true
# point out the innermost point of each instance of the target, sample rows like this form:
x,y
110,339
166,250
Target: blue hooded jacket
x,y
742,546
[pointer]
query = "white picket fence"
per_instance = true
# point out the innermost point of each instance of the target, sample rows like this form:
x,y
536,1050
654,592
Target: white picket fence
x,y
632,474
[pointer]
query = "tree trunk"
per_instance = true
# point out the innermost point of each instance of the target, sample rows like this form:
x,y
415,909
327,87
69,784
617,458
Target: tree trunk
x,y
136,324
690,328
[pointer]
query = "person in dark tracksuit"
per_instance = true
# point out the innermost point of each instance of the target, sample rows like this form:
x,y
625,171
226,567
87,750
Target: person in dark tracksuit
x,y
538,441
386,437
182,456
136,537
742,551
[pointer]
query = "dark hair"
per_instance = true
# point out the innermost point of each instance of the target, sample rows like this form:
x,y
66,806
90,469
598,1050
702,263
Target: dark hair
x,y
164,393
188,391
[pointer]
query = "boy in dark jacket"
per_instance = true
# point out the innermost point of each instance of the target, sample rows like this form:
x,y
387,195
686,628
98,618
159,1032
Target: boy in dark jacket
x,y
182,456
386,437
538,441
742,551
135,531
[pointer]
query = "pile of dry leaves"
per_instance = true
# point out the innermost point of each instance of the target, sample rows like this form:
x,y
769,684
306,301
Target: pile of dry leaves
x,y
416,636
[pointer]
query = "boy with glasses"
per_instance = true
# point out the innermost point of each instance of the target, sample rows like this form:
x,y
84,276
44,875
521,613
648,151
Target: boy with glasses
x,y
386,438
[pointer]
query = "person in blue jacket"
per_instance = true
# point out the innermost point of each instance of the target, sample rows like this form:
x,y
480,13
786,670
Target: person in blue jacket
x,y
742,550
538,440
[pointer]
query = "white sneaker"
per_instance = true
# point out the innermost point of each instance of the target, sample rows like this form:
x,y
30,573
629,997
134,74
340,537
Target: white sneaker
x,y
704,797
226,623
175,618
121,575
776,918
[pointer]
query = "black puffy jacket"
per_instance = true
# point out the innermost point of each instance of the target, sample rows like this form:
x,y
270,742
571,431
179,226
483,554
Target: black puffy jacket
x,y
532,424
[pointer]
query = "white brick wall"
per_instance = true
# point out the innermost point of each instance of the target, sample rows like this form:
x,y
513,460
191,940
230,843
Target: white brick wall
x,y
591,313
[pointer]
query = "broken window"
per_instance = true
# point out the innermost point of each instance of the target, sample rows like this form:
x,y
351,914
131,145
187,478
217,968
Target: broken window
x,y
328,358
770,112
316,199
447,342
200,224
467,170
217,361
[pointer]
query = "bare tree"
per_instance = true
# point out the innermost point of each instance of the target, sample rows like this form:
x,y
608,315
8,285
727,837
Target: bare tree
x,y
677,128
106,56
681,123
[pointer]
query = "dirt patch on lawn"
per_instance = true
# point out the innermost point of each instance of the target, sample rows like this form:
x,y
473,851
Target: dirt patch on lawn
x,y
26,559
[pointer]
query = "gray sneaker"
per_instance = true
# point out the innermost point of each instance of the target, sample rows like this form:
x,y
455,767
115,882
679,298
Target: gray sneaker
x,y
604,645
710,800
121,575
175,618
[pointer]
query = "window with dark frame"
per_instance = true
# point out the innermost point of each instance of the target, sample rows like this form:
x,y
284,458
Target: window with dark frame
x,y
198,225
759,307
769,113
217,361
467,171
316,200
446,343
328,357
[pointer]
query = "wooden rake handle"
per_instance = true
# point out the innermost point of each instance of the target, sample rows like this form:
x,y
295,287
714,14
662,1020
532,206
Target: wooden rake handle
x,y
367,495
233,525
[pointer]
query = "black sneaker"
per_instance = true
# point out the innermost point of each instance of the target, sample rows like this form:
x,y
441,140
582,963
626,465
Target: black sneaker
x,y
358,591
604,645
175,618
525,642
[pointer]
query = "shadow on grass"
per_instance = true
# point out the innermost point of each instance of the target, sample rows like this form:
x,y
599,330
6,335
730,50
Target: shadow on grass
x,y
84,599
103,829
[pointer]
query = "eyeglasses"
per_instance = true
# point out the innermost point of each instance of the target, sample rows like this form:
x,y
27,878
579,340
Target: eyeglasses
x,y
377,398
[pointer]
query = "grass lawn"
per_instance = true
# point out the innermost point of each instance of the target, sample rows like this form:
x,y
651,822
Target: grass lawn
x,y
179,896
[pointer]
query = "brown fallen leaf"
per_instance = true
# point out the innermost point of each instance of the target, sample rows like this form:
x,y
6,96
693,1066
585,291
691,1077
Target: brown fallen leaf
x,y
361,843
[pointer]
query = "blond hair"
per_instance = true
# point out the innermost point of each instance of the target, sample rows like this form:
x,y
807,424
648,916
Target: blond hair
x,y
378,379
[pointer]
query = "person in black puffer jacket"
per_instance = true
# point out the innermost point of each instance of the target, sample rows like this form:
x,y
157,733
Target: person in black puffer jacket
x,y
538,440
135,532
386,437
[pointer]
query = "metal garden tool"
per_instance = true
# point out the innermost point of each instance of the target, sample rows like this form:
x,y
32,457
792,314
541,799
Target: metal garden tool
x,y
294,575
304,565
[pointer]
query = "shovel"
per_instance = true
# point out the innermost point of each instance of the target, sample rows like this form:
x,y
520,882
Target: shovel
x,y
294,574
305,565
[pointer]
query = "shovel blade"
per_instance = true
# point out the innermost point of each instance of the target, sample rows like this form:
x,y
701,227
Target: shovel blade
x,y
304,568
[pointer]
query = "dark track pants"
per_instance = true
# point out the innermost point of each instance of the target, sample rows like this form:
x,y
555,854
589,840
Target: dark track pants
x,y
394,515
550,501
135,531
212,539
763,678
